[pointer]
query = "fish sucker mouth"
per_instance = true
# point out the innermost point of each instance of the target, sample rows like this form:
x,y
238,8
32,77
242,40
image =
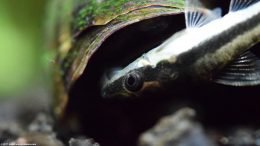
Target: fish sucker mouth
x,y
107,92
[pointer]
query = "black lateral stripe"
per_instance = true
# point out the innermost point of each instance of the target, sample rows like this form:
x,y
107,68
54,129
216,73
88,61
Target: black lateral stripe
x,y
213,44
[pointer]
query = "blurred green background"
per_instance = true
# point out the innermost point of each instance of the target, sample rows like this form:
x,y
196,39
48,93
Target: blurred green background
x,y
21,45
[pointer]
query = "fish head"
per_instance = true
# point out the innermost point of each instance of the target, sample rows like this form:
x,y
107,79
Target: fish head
x,y
137,82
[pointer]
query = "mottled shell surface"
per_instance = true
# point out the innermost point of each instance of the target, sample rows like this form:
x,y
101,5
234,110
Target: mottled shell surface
x,y
79,28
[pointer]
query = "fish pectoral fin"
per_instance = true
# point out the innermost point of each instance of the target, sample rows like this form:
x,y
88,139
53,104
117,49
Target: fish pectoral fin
x,y
236,5
197,15
244,71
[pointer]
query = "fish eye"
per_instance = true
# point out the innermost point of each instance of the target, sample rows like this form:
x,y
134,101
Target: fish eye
x,y
133,81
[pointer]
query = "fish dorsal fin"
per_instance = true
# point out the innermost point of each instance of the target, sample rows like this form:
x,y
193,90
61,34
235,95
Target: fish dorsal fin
x,y
244,71
236,5
197,15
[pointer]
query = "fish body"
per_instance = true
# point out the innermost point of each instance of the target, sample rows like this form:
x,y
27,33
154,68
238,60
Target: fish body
x,y
208,44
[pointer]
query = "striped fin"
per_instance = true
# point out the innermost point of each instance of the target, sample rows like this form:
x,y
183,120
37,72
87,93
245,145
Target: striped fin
x,y
244,71
236,5
197,15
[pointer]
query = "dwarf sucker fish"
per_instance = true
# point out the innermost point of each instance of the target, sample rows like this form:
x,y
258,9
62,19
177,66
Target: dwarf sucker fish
x,y
207,44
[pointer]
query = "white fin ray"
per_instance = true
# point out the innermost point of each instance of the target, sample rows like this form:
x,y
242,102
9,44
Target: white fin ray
x,y
236,5
197,15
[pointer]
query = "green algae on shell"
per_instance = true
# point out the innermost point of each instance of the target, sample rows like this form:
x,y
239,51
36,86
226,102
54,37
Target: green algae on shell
x,y
100,12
